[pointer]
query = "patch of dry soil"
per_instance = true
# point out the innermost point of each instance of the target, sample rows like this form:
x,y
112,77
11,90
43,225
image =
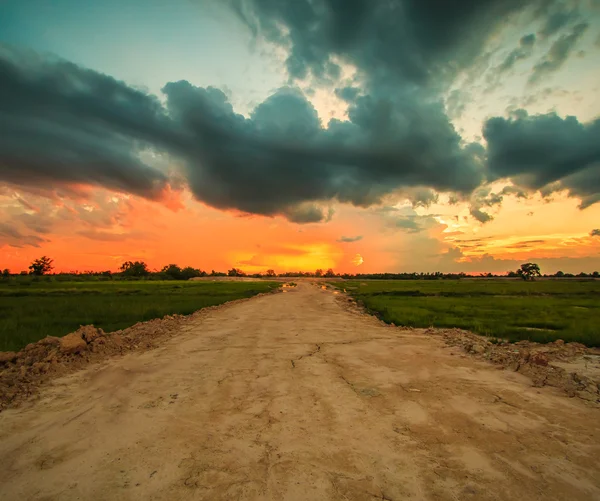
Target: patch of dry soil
x,y
299,396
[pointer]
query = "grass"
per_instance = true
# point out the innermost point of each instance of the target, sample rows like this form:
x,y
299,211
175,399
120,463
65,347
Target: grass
x,y
32,310
540,311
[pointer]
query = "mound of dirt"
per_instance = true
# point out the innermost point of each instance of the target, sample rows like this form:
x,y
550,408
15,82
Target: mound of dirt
x,y
22,373
571,367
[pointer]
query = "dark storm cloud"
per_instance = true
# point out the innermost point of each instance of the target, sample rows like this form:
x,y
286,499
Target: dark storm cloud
x,y
558,54
61,123
400,44
282,156
64,124
349,239
546,152
398,39
348,94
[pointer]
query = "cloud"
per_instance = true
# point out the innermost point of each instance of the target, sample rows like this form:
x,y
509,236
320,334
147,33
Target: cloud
x,y
483,197
308,213
527,244
10,235
559,17
413,223
281,156
514,190
522,52
408,223
482,217
558,54
423,197
108,236
61,123
407,39
350,239
595,233
357,260
456,102
64,125
546,152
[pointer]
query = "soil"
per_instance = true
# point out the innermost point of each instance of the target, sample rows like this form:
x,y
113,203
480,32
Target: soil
x,y
297,396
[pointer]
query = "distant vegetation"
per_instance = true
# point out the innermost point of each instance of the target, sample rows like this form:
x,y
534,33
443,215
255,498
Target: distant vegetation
x,y
32,310
37,302
539,311
136,270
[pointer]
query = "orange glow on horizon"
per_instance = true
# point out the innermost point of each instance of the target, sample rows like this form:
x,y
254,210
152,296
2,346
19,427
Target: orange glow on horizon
x,y
99,230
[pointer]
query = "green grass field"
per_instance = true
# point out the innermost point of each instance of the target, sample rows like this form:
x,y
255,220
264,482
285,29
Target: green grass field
x,y
541,311
30,311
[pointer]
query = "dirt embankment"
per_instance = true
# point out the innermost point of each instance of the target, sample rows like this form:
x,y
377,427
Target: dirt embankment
x,y
571,367
22,373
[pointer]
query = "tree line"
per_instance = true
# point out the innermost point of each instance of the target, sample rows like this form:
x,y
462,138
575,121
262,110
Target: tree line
x,y
140,270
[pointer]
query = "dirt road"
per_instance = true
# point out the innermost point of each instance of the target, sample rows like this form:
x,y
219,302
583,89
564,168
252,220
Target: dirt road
x,y
294,397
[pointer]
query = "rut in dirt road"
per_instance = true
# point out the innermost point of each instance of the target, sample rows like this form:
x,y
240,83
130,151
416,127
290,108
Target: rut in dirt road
x,y
295,396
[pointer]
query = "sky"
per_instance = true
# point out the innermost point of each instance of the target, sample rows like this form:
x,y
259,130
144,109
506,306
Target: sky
x,y
397,136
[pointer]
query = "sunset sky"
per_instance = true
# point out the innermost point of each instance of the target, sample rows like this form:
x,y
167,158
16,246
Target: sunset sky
x,y
365,136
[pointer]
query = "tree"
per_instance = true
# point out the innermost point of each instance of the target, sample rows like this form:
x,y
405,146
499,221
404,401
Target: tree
x,y
529,271
41,266
559,274
5,273
329,273
270,273
172,272
236,272
189,272
319,273
135,269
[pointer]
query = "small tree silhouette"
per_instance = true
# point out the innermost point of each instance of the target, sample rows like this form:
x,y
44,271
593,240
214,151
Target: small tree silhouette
x,y
236,272
529,271
41,266
270,273
330,273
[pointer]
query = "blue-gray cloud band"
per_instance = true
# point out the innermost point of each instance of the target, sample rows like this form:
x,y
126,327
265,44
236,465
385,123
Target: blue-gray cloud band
x,y
61,123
